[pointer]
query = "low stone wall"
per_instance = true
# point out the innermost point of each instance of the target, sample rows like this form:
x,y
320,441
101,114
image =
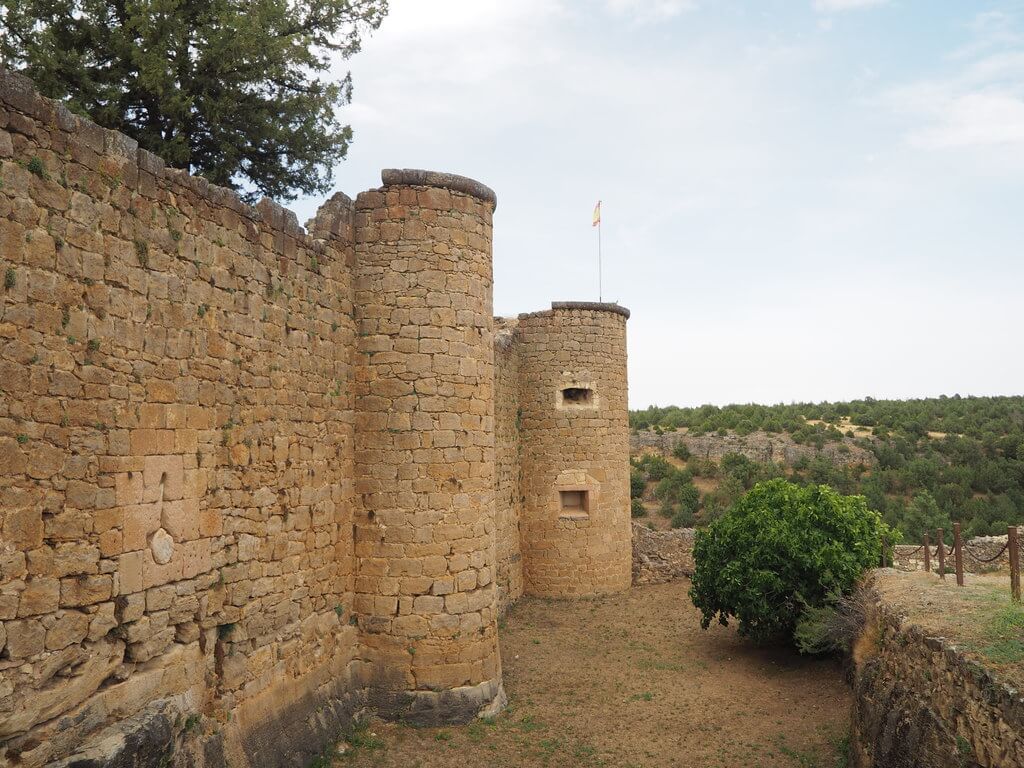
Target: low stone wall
x,y
920,702
982,554
660,556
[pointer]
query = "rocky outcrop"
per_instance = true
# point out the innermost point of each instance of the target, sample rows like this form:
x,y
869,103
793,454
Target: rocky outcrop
x,y
757,446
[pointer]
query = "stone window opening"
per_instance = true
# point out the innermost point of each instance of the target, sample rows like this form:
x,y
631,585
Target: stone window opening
x,y
578,396
574,503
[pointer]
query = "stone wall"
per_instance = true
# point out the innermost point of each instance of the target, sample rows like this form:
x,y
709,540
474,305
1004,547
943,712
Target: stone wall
x,y
660,556
921,703
757,446
176,439
508,449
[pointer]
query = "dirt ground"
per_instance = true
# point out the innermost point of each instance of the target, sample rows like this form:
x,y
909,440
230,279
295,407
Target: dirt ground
x,y
632,680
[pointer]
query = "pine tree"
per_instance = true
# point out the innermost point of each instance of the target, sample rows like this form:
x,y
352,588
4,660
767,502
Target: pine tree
x,y
228,89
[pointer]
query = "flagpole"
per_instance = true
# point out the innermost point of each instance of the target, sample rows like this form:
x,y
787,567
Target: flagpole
x,y
600,287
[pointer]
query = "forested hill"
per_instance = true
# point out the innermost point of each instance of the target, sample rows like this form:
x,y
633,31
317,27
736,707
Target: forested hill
x,y
938,460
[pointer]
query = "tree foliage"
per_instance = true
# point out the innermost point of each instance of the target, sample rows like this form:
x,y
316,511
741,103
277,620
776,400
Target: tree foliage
x,y
780,550
637,482
924,516
230,90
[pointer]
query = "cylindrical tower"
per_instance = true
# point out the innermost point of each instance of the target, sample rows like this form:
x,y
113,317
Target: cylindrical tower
x,y
576,532
425,594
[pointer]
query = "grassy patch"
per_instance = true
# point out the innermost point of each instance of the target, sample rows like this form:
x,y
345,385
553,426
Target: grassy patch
x,y
1004,632
358,737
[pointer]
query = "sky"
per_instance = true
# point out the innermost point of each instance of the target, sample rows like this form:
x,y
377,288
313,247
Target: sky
x,y
803,200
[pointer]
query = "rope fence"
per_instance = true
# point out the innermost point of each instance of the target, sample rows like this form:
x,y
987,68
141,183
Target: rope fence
x,y
958,550
981,559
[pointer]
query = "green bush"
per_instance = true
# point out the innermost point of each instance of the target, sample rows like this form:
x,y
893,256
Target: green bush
x,y
683,518
656,467
637,508
681,451
678,494
780,550
716,502
637,483
702,467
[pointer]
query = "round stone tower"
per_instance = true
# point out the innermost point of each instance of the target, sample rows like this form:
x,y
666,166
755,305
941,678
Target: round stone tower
x,y
575,529
425,594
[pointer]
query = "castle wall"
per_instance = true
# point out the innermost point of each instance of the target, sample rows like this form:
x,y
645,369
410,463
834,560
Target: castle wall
x,y
507,465
176,438
426,597
575,455
254,478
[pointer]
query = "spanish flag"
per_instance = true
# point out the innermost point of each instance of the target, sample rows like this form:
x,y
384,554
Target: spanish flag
x,y
597,214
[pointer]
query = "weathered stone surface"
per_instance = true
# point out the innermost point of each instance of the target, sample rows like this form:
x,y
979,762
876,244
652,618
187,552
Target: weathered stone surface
x,y
41,595
424,459
920,701
757,446
162,546
25,638
416,178
660,556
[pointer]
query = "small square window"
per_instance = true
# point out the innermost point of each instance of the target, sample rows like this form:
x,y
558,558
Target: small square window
x,y
579,396
574,502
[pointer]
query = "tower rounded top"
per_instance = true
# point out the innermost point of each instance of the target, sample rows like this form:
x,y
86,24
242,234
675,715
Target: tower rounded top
x,y
420,178
596,306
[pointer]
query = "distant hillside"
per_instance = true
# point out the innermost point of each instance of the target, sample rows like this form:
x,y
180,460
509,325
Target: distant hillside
x,y
921,463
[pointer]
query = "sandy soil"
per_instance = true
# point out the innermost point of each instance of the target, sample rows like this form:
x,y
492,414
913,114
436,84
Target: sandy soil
x,y
632,680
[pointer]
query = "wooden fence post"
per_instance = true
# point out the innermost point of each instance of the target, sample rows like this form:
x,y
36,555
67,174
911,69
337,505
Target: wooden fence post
x,y
958,555
927,555
941,536
1014,546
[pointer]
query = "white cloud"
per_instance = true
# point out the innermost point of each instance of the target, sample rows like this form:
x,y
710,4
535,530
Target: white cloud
x,y
837,6
972,120
650,10
979,106
991,29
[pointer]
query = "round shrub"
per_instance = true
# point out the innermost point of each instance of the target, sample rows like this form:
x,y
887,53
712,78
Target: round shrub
x,y
637,483
637,508
780,550
681,451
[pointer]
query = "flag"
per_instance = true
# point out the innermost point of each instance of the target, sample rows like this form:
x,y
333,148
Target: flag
x,y
597,214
